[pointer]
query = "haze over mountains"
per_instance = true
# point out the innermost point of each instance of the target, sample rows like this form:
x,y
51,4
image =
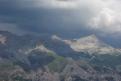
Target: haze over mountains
x,y
38,58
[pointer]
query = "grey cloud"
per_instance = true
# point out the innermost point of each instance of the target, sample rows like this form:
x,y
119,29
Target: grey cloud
x,y
67,18
39,19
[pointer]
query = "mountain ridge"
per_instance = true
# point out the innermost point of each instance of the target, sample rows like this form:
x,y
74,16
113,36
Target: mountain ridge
x,y
28,58
91,44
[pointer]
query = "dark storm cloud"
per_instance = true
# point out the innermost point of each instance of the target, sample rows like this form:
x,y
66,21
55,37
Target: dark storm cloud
x,y
71,18
60,16
24,15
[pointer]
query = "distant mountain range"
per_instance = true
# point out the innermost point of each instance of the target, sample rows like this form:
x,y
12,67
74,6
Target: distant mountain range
x,y
44,58
90,44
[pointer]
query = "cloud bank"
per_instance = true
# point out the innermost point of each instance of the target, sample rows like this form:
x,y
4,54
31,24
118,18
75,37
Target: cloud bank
x,y
105,14
59,16
100,15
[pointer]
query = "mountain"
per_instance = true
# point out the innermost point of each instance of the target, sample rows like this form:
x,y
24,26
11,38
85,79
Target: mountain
x,y
46,58
91,44
2,39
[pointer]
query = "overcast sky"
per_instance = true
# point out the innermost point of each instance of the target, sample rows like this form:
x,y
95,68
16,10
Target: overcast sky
x,y
62,17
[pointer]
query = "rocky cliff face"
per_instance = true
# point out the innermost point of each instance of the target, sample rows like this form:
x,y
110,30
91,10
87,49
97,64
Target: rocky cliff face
x,y
28,58
91,44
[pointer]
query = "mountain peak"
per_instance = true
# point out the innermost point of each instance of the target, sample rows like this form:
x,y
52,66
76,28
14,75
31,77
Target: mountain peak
x,y
91,44
91,38
55,37
2,39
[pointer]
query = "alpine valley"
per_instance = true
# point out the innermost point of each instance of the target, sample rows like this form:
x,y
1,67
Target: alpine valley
x,y
51,58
